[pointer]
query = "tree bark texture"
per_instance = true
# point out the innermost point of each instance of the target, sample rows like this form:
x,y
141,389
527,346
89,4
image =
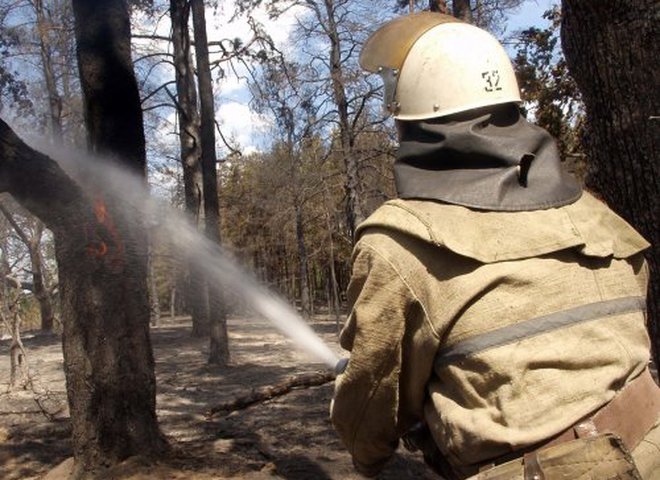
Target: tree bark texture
x,y
611,48
113,113
40,287
219,347
191,156
102,262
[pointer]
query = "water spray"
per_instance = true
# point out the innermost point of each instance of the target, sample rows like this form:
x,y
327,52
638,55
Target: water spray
x,y
137,205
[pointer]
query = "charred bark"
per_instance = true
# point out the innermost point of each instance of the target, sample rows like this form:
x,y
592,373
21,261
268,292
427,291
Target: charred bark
x,y
219,347
611,49
108,360
113,114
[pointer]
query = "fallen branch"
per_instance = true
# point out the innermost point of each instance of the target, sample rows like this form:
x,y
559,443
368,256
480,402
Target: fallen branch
x,y
263,394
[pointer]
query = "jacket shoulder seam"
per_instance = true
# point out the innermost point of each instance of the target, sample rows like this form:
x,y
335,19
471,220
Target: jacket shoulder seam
x,y
403,280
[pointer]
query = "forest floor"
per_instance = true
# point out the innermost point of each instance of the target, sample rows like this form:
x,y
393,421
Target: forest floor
x,y
287,437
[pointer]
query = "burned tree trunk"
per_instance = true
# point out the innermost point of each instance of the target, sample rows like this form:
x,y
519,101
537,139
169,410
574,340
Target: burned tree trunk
x,y
611,49
219,347
101,256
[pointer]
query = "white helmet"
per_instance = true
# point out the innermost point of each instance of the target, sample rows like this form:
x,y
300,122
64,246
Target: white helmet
x,y
434,65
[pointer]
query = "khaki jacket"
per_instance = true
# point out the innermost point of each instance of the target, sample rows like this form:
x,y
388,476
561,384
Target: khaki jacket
x,y
429,276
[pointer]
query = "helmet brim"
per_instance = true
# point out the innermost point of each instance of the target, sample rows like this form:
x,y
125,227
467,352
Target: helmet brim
x,y
388,46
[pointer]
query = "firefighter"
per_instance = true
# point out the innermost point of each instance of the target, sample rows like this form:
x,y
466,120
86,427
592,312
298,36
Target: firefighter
x,y
497,310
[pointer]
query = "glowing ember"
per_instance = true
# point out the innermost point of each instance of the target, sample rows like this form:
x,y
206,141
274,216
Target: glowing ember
x,y
103,241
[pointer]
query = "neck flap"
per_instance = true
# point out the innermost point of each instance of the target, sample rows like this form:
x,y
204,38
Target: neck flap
x,y
493,160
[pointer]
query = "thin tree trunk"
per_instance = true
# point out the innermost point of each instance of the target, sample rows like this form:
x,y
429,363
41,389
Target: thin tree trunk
x,y
39,288
302,262
191,157
172,302
12,321
17,354
219,347
45,49
354,210
333,281
611,48
154,303
334,289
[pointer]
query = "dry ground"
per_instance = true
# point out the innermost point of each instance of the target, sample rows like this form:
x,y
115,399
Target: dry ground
x,y
287,437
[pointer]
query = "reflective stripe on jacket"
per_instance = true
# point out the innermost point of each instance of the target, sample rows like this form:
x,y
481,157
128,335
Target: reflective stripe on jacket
x,y
428,277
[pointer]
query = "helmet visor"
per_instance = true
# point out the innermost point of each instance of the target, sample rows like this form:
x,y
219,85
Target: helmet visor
x,y
389,45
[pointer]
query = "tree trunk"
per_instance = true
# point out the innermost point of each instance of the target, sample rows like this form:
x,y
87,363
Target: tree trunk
x,y
39,287
110,381
17,355
172,302
154,302
302,263
12,321
45,48
219,348
108,360
334,289
354,210
611,48
191,153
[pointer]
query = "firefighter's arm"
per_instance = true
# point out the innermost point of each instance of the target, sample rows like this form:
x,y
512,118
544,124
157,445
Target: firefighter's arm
x,y
377,398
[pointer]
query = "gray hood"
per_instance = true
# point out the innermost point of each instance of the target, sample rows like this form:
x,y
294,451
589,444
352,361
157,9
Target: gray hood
x,y
489,160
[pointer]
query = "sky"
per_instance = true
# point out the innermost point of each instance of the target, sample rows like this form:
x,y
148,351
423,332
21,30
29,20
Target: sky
x,y
234,112
238,122
529,14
